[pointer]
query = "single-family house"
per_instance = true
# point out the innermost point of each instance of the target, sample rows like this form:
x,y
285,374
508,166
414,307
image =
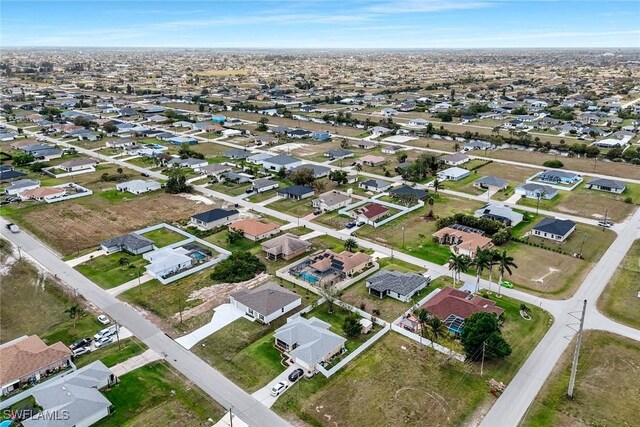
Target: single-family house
x,y
8,174
501,213
331,267
609,143
536,191
299,133
370,213
476,145
463,240
321,135
394,284
133,243
372,161
404,191
257,158
167,261
42,194
453,174
554,229
559,177
308,342
139,186
455,159
214,218
255,230
29,359
179,140
275,163
318,171
295,192
453,306
237,178
490,182
192,163
375,185
286,246
74,399
391,149
604,184
265,303
331,200
418,122
237,154
214,169
339,154
379,131
363,144
120,143
263,184
20,186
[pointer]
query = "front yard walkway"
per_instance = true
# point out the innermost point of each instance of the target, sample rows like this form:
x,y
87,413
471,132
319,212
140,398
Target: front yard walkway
x,y
85,258
513,199
311,235
264,394
129,285
135,362
271,200
222,316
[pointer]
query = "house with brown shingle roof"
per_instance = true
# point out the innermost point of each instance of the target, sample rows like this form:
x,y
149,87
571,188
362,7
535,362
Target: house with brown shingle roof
x,y
42,194
463,240
266,303
286,246
254,229
30,359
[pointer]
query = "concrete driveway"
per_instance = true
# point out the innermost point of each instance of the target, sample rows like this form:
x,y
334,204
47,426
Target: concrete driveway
x,y
264,394
222,316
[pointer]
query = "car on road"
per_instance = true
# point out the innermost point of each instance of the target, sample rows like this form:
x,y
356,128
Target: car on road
x,y
103,341
104,319
606,224
80,351
506,284
350,224
12,228
277,389
145,174
295,375
80,343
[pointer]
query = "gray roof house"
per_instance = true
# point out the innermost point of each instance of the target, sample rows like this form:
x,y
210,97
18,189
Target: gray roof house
x,y
296,192
339,153
286,247
401,286
133,243
319,171
236,154
281,161
500,213
375,185
213,218
554,229
455,159
453,174
405,190
21,185
73,399
265,303
537,191
308,342
139,186
263,184
491,181
331,200
604,184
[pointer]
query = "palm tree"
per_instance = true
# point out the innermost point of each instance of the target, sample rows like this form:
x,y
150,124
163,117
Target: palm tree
x,y
422,316
123,262
505,263
358,168
493,256
437,185
437,327
421,238
457,264
481,262
350,244
74,312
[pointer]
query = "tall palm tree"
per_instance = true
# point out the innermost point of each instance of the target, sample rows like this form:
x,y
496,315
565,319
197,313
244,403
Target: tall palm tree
x,y
422,316
457,264
505,263
123,262
481,262
358,168
437,328
437,185
493,257
350,244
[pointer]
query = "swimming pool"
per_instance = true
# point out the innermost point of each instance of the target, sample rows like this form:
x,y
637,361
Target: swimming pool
x,y
308,277
196,255
5,423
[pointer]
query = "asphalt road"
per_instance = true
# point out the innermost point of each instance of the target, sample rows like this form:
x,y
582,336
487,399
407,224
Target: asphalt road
x,y
200,373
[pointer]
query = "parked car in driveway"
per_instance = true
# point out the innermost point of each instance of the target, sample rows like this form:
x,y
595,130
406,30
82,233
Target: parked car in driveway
x,y
106,332
80,351
103,341
360,223
81,343
277,389
104,319
295,375
351,224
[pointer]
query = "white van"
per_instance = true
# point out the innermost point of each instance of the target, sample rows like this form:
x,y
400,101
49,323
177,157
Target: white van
x,y
106,332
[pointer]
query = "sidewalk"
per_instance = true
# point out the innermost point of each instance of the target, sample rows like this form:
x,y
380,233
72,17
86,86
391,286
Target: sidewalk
x,y
513,199
129,285
85,258
135,362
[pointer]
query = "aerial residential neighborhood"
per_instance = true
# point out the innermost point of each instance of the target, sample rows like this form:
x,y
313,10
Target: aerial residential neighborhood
x,y
319,214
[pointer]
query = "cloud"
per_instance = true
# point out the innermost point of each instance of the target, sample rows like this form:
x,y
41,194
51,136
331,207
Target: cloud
x,y
426,6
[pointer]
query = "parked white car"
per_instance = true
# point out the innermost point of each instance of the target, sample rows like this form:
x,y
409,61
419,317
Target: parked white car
x,y
103,341
104,319
106,332
80,351
277,389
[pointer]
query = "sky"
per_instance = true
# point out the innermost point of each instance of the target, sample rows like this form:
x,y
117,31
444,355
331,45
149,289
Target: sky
x,y
394,24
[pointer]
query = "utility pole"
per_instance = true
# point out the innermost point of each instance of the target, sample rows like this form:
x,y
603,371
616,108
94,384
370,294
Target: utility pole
x,y
403,236
576,353
484,347
537,203
231,416
584,237
19,252
604,224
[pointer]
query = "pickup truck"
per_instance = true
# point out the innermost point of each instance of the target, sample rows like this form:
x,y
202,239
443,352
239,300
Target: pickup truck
x,y
13,228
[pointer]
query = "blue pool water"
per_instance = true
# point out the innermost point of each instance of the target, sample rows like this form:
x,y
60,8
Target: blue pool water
x,y
196,255
5,423
308,277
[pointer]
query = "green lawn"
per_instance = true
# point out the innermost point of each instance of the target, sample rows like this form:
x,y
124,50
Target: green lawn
x,y
298,208
157,395
230,188
220,239
164,237
607,391
620,298
113,353
106,271
261,197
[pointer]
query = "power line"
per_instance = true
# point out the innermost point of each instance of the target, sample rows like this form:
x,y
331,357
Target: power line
x,y
576,354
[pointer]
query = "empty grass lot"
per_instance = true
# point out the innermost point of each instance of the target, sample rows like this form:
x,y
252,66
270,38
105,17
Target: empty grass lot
x,y
220,239
619,299
106,271
390,308
157,395
395,380
607,391
230,188
297,208
592,203
164,237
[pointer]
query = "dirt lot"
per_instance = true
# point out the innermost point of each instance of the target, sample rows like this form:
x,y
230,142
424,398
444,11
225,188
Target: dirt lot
x,y
592,204
77,224
607,389
513,174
